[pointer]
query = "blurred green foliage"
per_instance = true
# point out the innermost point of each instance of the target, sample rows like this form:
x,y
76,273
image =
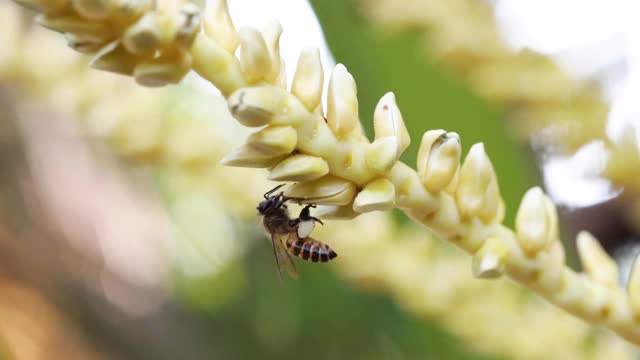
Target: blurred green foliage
x,y
321,317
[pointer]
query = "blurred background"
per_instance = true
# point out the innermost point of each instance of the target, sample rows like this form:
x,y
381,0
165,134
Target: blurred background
x,y
122,238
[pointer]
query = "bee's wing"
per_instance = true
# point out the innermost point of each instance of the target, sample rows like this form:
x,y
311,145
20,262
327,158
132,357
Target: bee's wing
x,y
281,254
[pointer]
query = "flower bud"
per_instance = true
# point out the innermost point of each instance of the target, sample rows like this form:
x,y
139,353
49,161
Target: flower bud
x,y
246,156
92,9
381,154
438,159
254,55
332,212
115,58
490,260
342,102
474,179
168,68
261,105
299,168
595,261
144,36
378,195
308,79
73,23
633,287
218,25
272,34
217,65
274,140
535,222
387,121
328,190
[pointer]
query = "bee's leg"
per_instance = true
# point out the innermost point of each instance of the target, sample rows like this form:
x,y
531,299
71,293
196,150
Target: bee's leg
x,y
266,195
294,222
306,215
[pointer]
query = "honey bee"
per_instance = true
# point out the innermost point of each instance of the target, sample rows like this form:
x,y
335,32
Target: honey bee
x,y
291,236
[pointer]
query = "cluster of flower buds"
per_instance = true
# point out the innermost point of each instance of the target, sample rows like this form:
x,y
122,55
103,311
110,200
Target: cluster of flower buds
x,y
334,165
149,40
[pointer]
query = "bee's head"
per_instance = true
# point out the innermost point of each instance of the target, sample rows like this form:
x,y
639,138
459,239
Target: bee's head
x,y
268,204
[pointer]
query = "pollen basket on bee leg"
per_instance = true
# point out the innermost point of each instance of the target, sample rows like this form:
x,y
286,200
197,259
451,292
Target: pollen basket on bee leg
x,y
305,228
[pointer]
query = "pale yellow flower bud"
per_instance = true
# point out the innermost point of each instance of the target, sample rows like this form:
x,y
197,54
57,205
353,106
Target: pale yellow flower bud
x,y
595,261
261,105
534,222
299,168
410,194
254,55
246,156
188,24
387,121
342,102
217,65
551,280
218,25
474,179
438,159
308,79
445,221
491,211
378,195
144,36
73,23
274,140
115,58
271,34
281,79
168,68
490,260
84,44
92,9
633,287
51,7
330,212
381,154
428,139
328,190
125,12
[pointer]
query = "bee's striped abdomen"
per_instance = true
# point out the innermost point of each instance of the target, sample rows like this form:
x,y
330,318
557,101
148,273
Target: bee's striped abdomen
x,y
310,249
